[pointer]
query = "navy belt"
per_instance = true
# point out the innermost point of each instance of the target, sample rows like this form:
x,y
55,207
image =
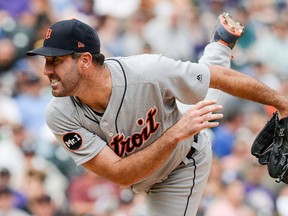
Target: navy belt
x,y
196,138
192,150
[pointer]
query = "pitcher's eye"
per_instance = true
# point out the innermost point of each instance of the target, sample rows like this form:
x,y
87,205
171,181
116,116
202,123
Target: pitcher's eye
x,y
55,59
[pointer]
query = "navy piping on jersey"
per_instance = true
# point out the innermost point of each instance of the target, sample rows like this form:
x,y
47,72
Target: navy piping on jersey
x,y
188,199
125,79
98,114
101,114
75,102
94,120
80,105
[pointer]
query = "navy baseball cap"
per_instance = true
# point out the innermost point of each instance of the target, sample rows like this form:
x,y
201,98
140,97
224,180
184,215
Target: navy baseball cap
x,y
66,37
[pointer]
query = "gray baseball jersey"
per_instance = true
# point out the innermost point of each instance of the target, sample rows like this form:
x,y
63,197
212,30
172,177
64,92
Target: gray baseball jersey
x,y
142,106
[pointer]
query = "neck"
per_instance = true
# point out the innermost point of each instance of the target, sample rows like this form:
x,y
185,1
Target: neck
x,y
97,90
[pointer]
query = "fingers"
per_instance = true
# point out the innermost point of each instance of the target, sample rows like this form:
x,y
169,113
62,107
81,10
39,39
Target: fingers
x,y
207,106
205,103
206,113
208,124
212,116
201,116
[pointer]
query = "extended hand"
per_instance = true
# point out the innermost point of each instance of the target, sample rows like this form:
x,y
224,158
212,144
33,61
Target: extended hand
x,y
199,117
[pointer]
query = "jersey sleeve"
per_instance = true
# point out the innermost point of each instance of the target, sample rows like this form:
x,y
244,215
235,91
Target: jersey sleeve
x,y
185,81
216,54
81,144
192,81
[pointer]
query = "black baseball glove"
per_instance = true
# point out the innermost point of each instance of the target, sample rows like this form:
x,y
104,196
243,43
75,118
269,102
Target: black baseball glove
x,y
271,148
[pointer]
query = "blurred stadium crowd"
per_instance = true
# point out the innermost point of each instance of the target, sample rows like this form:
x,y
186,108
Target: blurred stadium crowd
x,y
36,175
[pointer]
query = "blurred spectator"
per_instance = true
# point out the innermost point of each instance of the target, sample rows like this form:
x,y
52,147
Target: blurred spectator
x,y
83,10
34,183
132,38
43,8
6,204
9,111
224,135
231,202
41,24
139,205
25,67
15,7
199,34
89,193
281,202
19,199
125,204
7,59
60,158
19,30
242,51
214,186
272,48
262,72
170,26
17,153
258,196
11,154
4,177
44,206
87,7
42,177
239,156
255,118
62,8
32,103
109,34
262,13
210,10
120,10
249,37
133,205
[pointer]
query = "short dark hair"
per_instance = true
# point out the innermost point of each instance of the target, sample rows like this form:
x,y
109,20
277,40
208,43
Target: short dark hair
x,y
6,191
4,172
97,59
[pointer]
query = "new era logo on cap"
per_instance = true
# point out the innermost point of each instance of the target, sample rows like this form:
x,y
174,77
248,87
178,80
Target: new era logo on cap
x,y
80,45
66,37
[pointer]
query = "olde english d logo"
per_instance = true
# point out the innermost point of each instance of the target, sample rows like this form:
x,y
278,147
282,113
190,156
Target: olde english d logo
x,y
122,145
48,34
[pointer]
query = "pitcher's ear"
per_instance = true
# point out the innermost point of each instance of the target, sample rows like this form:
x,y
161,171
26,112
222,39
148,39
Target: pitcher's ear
x,y
86,59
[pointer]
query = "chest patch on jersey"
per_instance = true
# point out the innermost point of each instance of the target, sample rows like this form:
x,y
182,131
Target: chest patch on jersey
x,y
72,140
150,126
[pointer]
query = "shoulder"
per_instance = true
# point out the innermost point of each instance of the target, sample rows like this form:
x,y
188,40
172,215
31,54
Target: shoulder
x,y
60,103
60,109
149,58
142,60
154,64
157,68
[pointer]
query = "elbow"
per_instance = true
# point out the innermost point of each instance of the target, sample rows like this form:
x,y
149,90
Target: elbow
x,y
124,184
124,181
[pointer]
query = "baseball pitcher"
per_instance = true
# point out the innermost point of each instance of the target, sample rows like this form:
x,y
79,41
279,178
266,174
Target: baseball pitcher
x,y
118,117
